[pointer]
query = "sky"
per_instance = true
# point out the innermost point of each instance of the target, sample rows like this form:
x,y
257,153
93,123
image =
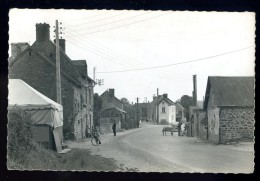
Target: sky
x,y
136,52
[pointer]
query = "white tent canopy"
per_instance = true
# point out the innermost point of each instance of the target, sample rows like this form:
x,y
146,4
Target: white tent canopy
x,y
42,109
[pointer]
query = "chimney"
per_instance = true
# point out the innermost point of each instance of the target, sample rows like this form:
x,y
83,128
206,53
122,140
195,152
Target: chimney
x,y
194,93
61,43
111,92
165,95
18,48
42,32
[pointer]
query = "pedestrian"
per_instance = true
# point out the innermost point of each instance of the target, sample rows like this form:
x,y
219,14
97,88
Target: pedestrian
x,y
114,128
179,128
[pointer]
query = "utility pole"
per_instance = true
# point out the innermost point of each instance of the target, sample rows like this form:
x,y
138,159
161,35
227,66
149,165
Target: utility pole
x,y
94,73
157,106
58,79
137,112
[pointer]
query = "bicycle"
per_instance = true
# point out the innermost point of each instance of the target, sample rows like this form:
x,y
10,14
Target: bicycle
x,y
95,136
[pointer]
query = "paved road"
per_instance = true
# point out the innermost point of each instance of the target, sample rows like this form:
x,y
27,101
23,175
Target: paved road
x,y
146,150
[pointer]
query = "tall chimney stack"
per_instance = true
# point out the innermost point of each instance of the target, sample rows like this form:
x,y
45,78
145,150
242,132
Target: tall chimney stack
x,y
194,90
61,43
42,32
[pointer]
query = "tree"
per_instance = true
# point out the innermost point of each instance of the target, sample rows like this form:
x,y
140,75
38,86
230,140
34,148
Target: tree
x,y
126,103
97,107
186,101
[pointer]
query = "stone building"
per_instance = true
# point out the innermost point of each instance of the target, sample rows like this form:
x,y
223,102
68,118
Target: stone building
x,y
229,105
112,110
36,65
109,100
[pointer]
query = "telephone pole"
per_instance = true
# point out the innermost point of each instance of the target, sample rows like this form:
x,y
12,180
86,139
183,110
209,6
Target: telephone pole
x,y
137,112
157,106
58,79
94,73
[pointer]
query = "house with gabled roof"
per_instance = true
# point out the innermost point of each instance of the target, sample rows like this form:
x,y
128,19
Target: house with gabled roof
x,y
229,105
112,111
166,110
36,65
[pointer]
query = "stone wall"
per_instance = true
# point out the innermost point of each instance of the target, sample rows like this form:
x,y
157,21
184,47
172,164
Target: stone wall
x,y
106,124
213,120
236,123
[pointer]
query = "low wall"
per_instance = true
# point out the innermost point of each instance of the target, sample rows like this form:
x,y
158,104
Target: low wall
x,y
106,125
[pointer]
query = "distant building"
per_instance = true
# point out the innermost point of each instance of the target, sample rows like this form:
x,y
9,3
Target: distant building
x,y
112,110
109,100
179,112
152,113
36,65
166,110
229,106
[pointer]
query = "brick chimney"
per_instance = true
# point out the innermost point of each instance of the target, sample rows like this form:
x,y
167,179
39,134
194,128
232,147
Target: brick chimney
x,y
61,43
165,95
18,48
42,32
111,92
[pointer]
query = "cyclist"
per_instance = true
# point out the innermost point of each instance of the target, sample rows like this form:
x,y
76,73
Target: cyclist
x,y
95,131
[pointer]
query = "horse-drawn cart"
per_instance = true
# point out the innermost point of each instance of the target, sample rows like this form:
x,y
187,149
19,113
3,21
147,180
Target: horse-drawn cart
x,y
170,129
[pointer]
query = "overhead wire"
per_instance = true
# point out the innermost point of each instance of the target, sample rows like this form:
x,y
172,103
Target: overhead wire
x,y
111,22
135,62
112,58
123,25
98,14
179,63
99,19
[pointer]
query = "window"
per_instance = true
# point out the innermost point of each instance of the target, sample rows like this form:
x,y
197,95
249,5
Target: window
x,y
163,109
50,54
30,53
81,101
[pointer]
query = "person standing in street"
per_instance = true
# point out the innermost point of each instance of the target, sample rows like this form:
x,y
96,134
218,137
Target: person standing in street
x,y
179,128
114,128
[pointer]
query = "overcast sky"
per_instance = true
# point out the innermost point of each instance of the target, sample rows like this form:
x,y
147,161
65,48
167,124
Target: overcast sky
x,y
115,42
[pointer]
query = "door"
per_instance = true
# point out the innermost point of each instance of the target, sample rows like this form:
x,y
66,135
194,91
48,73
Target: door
x,y
82,128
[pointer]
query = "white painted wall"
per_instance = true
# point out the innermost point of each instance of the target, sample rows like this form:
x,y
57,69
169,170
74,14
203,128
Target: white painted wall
x,y
170,112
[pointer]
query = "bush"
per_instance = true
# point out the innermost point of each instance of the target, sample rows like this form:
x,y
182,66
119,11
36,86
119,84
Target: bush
x,y
20,140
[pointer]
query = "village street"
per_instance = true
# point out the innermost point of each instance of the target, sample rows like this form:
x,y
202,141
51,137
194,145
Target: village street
x,y
145,149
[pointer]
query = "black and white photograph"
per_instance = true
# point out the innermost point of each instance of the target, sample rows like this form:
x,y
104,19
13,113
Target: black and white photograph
x,y
131,91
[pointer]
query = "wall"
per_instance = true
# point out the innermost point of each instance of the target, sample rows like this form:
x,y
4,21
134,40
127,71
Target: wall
x,y
213,120
200,128
106,125
236,123
172,114
163,116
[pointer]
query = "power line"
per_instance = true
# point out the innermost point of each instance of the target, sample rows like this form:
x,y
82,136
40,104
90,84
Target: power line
x,y
122,25
88,17
100,19
112,21
195,60
96,52
100,46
